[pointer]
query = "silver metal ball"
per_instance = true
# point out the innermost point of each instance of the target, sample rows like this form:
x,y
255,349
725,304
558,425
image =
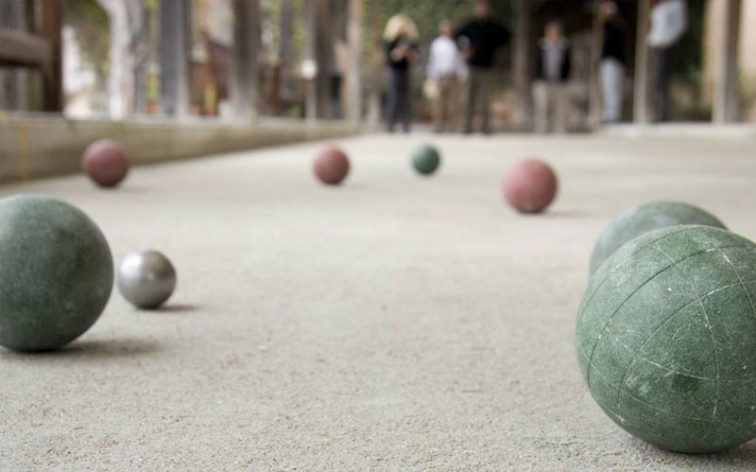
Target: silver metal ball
x,y
146,278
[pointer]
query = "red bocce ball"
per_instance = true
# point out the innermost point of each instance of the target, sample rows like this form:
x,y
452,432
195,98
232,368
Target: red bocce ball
x,y
530,186
105,162
331,166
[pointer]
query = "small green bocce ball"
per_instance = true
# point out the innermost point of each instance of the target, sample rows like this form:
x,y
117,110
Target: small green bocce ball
x,y
426,159
56,273
666,338
644,218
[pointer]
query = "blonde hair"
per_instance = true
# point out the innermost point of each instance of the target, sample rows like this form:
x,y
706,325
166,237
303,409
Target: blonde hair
x,y
397,23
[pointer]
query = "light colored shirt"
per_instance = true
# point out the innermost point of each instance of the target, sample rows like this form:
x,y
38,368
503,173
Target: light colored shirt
x,y
444,59
668,23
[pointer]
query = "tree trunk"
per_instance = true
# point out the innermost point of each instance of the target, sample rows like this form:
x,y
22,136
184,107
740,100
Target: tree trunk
x,y
641,112
594,84
245,55
521,61
139,50
376,64
320,53
727,86
353,74
286,48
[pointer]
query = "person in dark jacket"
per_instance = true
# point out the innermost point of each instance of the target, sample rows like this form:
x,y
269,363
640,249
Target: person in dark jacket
x,y
401,53
551,80
612,67
479,41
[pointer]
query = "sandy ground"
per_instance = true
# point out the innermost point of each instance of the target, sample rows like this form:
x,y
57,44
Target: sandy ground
x,y
394,324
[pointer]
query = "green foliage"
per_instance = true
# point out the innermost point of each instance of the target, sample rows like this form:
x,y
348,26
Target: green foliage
x,y
90,24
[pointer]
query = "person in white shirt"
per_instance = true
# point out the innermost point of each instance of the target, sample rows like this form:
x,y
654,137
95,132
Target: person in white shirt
x,y
668,24
446,68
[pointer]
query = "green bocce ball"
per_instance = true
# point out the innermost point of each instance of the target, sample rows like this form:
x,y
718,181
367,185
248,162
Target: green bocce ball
x,y
426,159
666,338
644,218
56,273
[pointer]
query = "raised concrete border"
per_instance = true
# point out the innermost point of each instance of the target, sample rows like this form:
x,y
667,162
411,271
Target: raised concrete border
x,y
34,146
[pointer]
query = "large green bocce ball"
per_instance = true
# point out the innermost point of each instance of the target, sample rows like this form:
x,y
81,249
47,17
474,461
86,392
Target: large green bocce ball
x,y
56,273
426,159
666,338
644,218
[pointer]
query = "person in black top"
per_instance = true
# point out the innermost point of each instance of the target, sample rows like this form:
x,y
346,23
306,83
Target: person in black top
x,y
401,53
612,68
479,41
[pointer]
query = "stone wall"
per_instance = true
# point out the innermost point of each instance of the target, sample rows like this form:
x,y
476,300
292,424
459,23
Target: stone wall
x,y
41,146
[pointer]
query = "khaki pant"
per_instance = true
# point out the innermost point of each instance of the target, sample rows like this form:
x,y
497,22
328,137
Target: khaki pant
x,y
552,106
479,98
446,111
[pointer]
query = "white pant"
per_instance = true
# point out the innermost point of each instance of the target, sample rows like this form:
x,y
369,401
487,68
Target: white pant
x,y
612,89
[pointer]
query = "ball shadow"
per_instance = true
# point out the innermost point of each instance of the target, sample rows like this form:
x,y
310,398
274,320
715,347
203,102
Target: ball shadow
x,y
112,348
744,454
177,308
131,189
564,214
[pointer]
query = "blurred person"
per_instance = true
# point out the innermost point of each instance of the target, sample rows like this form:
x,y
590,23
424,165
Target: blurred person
x,y
551,95
340,70
401,52
612,66
445,69
668,23
479,40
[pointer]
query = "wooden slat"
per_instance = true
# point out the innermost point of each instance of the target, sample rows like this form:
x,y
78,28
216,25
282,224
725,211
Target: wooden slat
x,y
23,49
52,28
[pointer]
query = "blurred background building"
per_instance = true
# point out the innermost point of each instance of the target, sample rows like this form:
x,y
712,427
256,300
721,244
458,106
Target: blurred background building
x,y
237,59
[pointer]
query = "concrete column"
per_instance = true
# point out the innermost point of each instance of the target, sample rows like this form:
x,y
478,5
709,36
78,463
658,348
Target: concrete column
x,y
353,78
641,109
175,46
245,55
726,87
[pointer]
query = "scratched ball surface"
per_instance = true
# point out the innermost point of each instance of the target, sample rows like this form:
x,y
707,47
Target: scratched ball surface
x,y
146,279
644,218
666,338
105,162
331,165
56,273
